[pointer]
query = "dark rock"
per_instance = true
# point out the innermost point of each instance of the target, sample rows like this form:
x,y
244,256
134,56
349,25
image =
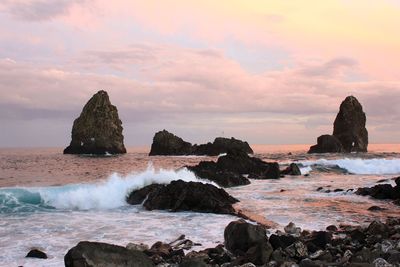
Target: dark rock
x,y
229,170
349,126
210,170
138,196
166,143
331,228
259,254
327,144
98,129
297,250
380,191
281,241
321,238
358,235
190,196
97,254
240,235
292,169
378,228
193,263
338,190
35,253
376,208
222,145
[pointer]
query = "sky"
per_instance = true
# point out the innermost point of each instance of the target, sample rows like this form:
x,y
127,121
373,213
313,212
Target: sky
x,y
265,71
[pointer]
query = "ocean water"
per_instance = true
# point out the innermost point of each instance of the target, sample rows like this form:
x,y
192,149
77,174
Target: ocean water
x,y
52,201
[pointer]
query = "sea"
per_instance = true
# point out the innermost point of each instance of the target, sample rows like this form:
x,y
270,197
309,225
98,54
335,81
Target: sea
x,y
52,201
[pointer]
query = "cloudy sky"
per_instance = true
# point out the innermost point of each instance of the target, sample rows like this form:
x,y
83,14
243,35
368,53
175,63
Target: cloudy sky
x,y
267,71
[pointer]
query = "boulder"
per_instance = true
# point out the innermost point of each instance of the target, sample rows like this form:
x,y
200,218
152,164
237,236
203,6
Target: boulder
x,y
349,126
98,254
166,143
36,253
98,129
137,197
327,144
189,196
248,241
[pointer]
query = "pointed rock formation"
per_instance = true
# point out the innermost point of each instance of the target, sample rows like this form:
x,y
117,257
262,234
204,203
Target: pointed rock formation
x,y
98,130
349,126
349,132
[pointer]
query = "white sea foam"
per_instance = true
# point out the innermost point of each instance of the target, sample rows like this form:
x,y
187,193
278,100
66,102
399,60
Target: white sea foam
x,y
360,166
110,193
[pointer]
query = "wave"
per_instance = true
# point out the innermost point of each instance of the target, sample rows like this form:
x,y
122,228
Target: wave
x,y
357,165
108,194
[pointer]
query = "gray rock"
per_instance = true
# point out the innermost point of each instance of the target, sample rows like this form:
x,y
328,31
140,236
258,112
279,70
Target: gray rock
x,y
98,129
96,254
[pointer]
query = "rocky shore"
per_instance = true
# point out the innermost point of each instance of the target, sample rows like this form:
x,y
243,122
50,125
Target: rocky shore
x,y
247,245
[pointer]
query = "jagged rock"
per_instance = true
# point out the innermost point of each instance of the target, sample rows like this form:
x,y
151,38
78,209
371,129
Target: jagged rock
x,y
166,143
137,197
188,196
292,169
229,170
327,144
98,129
102,255
36,253
349,126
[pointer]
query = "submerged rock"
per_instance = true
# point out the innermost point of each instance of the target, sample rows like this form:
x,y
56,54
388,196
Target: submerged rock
x,y
327,144
98,129
292,169
102,255
36,253
349,132
166,143
349,126
188,196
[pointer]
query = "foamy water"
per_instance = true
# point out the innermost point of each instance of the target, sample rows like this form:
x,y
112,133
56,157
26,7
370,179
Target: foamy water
x,y
56,218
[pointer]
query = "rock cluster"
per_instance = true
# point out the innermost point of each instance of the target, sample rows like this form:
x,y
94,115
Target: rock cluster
x,y
382,191
184,196
248,245
349,132
98,129
166,143
230,170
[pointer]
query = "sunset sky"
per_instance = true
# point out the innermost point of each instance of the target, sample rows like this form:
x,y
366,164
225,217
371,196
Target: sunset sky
x,y
267,71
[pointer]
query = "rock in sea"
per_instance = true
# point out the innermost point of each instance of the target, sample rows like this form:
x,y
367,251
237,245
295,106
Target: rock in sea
x,y
98,129
184,196
166,143
349,132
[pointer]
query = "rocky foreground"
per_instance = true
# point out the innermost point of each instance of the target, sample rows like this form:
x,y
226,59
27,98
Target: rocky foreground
x,y
249,245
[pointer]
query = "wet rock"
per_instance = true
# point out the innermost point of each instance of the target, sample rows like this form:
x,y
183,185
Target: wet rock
x,y
240,235
281,241
376,208
102,255
190,196
292,169
211,171
193,263
98,129
36,253
331,228
321,238
381,263
326,144
297,250
380,191
259,254
349,126
229,170
137,197
166,143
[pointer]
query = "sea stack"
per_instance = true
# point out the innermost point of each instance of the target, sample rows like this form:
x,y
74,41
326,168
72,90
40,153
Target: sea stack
x,y
349,126
98,130
349,132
